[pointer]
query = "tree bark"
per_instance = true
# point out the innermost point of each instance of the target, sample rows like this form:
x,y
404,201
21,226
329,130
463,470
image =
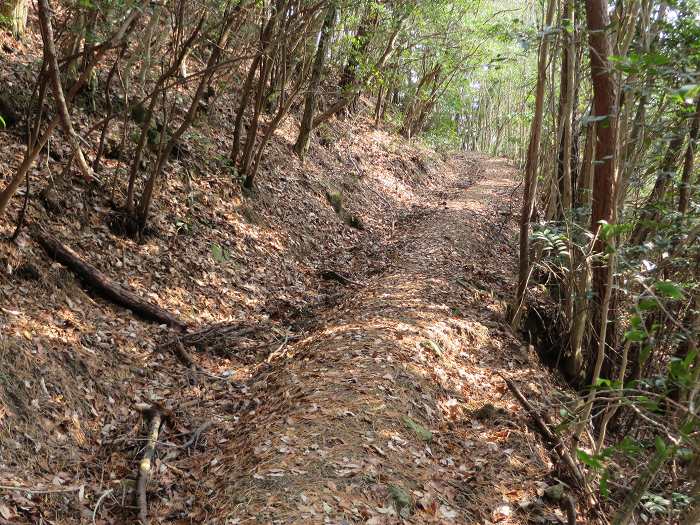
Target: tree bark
x,y
302,144
16,11
531,165
688,162
604,182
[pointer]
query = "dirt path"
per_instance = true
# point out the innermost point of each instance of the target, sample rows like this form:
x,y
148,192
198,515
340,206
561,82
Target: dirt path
x,y
393,408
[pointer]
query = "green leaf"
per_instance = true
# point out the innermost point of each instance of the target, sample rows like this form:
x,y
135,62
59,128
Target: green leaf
x,y
604,490
635,336
591,461
648,304
660,445
669,289
422,432
629,446
402,500
218,253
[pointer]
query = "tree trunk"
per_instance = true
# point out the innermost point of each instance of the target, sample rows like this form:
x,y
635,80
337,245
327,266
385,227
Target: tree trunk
x,y
16,11
358,49
568,63
210,69
604,183
302,143
650,214
688,161
54,75
32,151
533,153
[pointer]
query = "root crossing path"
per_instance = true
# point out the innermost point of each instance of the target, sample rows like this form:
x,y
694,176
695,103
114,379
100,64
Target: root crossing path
x,y
392,409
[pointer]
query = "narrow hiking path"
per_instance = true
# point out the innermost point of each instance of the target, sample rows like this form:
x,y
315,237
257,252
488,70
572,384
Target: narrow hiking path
x,y
392,407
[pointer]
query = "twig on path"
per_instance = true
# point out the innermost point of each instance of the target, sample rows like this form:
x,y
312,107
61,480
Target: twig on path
x,y
279,349
547,433
185,359
155,417
56,490
332,275
197,434
99,502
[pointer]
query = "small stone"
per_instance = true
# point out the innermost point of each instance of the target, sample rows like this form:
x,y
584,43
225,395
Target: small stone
x,y
554,492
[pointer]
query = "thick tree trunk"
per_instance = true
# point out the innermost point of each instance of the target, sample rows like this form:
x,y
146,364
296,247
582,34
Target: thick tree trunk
x,y
16,11
531,164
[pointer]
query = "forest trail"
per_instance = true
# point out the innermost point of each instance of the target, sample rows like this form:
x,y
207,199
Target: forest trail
x,y
393,406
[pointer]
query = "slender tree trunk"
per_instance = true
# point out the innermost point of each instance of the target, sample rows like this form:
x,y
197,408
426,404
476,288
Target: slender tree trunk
x,y
33,150
358,49
568,63
581,274
688,161
650,214
54,75
302,143
604,183
533,152
147,197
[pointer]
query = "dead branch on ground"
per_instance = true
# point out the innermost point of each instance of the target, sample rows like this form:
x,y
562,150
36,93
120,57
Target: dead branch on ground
x,y
103,285
154,417
555,441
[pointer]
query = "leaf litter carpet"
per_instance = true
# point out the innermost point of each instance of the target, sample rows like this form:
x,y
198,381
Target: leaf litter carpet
x,y
392,409
382,404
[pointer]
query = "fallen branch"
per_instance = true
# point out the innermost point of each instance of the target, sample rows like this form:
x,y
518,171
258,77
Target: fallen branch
x,y
154,420
554,440
216,338
185,359
197,434
103,285
40,490
332,275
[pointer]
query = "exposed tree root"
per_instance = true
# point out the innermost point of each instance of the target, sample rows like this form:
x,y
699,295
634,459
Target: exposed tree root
x,y
559,447
103,285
